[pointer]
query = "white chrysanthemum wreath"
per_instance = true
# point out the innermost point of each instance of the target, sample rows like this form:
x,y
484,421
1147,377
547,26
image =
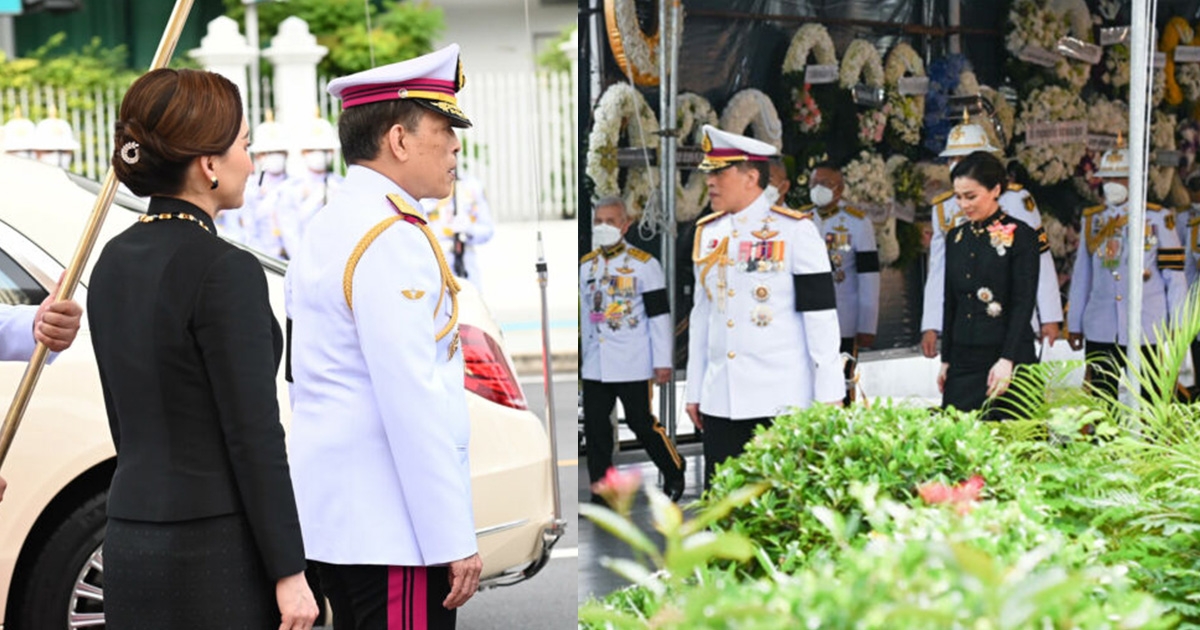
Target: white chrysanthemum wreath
x,y
1162,138
1050,164
751,108
809,39
908,111
622,107
862,60
694,112
635,51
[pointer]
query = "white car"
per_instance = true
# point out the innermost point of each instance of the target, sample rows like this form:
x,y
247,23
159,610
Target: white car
x,y
52,518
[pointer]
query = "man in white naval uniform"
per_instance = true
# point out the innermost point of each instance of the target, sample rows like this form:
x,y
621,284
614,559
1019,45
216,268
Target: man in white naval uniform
x,y
764,329
850,238
1098,318
256,223
379,437
625,321
1187,223
1016,202
462,222
54,324
303,195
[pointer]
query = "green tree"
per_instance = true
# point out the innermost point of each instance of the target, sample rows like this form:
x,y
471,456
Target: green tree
x,y
553,58
401,29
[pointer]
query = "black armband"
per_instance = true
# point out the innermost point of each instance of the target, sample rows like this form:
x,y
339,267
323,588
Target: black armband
x,y
1170,258
867,262
656,302
287,346
814,291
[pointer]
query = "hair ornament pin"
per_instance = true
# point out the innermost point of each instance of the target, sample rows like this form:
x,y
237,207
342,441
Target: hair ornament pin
x,y
129,152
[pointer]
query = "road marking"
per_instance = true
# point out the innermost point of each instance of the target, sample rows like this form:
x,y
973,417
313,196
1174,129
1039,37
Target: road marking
x,y
570,552
568,462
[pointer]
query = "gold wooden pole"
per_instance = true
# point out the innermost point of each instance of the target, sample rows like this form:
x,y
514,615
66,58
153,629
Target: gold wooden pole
x,y
66,289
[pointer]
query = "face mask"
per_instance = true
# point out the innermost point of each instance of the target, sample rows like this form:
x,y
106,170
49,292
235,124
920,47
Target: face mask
x,y
316,161
274,163
821,195
1115,193
771,192
605,235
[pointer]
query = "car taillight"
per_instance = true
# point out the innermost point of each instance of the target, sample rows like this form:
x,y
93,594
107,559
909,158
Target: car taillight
x,y
487,373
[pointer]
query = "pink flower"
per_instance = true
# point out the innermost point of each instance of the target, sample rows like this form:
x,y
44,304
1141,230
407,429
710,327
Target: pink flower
x,y
618,488
962,496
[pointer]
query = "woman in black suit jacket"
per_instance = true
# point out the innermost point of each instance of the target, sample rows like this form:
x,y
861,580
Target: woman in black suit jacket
x,y
991,290
202,529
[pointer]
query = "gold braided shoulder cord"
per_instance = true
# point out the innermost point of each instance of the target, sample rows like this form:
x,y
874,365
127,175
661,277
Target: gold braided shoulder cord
x,y
717,255
449,283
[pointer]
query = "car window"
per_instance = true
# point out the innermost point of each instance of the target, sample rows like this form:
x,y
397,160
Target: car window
x,y
16,285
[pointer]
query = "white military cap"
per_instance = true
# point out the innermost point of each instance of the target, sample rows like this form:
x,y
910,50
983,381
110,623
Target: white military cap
x,y
429,80
318,134
723,149
19,134
966,138
269,136
1114,163
54,134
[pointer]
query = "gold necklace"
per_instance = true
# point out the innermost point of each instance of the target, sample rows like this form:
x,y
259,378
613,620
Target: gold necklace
x,y
151,218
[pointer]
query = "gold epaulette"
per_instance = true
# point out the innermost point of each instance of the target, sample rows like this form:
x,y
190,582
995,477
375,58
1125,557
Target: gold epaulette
x,y
942,197
1092,210
1194,221
854,212
1015,187
404,208
590,255
788,212
811,207
708,218
638,254
1153,207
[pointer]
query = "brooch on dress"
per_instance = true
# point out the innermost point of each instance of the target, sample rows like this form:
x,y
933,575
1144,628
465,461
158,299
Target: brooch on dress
x,y
985,295
1002,236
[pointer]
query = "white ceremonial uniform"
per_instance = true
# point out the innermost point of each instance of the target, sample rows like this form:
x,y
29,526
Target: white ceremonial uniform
x,y
260,211
16,332
1016,202
1187,225
850,240
751,353
379,437
1099,281
301,198
465,212
625,325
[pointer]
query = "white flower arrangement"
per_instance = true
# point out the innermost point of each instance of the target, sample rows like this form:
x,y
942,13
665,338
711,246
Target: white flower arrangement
x,y
751,108
868,181
1159,90
968,84
936,179
872,123
1116,66
1034,25
1108,117
886,241
1056,235
907,111
811,38
1162,138
1005,113
1187,75
1074,73
861,59
622,107
694,112
1050,164
638,53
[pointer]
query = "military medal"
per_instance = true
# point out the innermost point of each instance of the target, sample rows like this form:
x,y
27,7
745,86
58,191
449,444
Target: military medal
x,y
765,234
761,315
958,237
453,346
761,293
624,270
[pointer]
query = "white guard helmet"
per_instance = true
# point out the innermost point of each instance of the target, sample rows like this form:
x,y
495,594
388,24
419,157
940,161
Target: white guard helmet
x,y
19,134
319,135
55,134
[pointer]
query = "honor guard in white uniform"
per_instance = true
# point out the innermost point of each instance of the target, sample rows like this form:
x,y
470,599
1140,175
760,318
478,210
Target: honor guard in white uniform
x,y
1016,202
19,136
1187,223
54,141
627,340
1097,317
256,223
463,222
303,195
764,328
380,430
850,239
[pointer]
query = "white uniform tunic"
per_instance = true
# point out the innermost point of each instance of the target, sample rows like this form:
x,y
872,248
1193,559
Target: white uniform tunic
x,y
1017,203
623,316
1100,279
378,444
764,331
472,219
850,240
16,332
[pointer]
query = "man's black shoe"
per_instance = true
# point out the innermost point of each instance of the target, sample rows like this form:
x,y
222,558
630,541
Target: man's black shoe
x,y
674,485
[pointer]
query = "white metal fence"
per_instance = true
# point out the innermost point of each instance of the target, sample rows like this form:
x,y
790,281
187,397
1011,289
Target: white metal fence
x,y
522,144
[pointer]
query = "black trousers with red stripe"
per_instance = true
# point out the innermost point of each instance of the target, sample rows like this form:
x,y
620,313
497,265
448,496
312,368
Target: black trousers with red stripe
x,y
373,597
598,401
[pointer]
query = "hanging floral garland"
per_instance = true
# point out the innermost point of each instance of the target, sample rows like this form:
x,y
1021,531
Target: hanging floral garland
x,y
1051,163
1177,32
811,39
907,110
622,108
635,51
1162,138
751,108
861,60
694,112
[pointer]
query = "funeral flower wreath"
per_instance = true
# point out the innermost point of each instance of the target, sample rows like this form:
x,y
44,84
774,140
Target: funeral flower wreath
x,y
811,39
621,107
694,112
907,110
